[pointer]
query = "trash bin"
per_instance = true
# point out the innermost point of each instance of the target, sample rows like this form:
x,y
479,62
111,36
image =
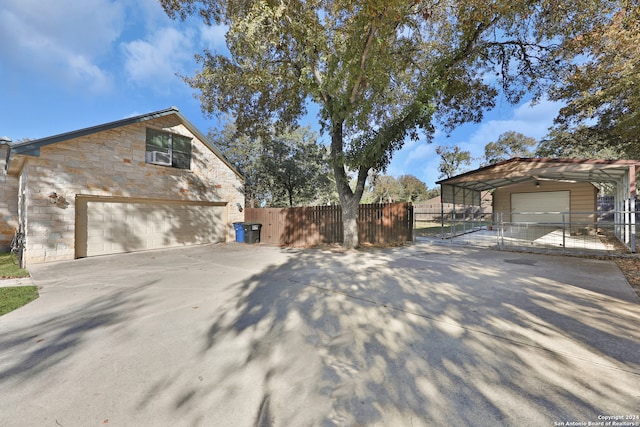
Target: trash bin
x,y
251,232
239,231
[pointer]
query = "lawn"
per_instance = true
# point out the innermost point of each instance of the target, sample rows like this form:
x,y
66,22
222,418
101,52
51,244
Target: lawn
x,y
14,296
9,267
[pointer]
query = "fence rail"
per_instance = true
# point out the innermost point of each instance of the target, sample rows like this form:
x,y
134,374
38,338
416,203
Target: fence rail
x,y
309,226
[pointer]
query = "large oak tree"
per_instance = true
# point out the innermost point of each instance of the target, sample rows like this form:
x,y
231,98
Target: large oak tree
x,y
602,90
379,71
601,117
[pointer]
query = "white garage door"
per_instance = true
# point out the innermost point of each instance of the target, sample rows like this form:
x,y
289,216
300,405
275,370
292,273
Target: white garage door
x,y
548,203
116,226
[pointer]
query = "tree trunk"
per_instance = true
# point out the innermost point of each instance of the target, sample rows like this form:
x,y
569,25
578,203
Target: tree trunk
x,y
350,222
349,199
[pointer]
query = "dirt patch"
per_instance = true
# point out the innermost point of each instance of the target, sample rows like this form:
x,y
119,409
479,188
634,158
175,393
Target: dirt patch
x,y
630,267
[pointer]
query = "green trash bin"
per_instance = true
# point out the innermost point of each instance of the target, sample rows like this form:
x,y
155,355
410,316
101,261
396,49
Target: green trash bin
x,y
251,232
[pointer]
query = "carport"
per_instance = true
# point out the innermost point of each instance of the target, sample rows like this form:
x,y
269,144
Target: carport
x,y
552,212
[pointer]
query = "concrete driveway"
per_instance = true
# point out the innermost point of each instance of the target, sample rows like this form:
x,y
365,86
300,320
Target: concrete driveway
x,y
246,335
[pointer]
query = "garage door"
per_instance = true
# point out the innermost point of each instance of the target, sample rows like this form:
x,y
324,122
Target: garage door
x,y
116,226
548,203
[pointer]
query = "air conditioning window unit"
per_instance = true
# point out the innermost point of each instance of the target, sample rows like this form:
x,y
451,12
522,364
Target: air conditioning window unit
x,y
160,158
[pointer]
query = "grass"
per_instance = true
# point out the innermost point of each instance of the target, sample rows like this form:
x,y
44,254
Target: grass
x,y
9,267
15,297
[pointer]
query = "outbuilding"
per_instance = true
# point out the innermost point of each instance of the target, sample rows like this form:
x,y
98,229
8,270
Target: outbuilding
x,y
551,191
145,182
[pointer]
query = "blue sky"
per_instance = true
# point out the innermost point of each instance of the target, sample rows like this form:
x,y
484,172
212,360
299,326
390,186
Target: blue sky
x,y
70,64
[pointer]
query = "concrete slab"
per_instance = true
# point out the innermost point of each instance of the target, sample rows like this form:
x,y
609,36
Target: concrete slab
x,y
532,238
252,335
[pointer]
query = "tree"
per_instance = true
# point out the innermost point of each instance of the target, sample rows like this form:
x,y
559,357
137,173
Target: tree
x,y
414,190
379,71
288,170
386,189
451,160
510,144
240,149
295,168
434,192
603,90
582,142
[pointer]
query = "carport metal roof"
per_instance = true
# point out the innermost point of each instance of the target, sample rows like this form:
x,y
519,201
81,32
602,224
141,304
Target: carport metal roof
x,y
466,187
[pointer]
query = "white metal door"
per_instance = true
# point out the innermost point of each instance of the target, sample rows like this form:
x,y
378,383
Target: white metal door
x,y
541,207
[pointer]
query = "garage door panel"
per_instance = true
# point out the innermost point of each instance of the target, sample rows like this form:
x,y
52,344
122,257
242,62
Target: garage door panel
x,y
121,226
548,204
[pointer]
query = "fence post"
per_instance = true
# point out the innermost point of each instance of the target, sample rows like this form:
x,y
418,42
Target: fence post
x,y
627,221
632,208
564,232
500,231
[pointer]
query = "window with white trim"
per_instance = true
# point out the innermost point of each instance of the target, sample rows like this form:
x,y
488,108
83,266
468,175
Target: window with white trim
x,y
168,149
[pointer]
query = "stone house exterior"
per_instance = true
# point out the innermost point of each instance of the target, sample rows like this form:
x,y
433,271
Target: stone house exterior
x,y
8,201
145,182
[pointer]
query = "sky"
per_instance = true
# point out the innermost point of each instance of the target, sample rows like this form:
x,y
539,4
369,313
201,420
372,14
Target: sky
x,y
70,64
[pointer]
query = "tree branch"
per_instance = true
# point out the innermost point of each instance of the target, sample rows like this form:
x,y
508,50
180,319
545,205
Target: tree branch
x,y
363,59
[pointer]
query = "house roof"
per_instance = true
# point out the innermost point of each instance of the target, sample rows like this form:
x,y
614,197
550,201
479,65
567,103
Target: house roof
x,y
518,170
32,148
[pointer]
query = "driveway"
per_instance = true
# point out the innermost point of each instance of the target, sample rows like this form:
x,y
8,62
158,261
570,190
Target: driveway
x,y
246,335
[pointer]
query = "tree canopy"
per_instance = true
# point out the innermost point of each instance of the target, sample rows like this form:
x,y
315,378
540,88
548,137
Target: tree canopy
x,y
582,142
510,144
602,90
405,188
380,71
287,170
295,170
452,160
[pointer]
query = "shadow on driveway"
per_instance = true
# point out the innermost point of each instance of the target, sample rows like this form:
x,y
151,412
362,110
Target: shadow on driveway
x,y
419,335
413,337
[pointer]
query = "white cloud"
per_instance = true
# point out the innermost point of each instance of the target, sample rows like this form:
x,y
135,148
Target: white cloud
x,y
213,37
155,61
83,70
527,119
62,38
421,151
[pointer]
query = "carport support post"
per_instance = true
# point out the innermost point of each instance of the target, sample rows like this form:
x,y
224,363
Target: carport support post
x,y
441,212
464,211
453,220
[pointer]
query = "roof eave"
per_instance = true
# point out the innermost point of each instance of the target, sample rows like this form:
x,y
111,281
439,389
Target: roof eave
x,y
32,148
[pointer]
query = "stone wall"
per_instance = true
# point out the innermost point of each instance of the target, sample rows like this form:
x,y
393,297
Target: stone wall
x,y
112,164
8,203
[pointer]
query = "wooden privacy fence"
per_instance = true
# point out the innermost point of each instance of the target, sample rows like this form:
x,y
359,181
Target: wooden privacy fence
x,y
309,226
